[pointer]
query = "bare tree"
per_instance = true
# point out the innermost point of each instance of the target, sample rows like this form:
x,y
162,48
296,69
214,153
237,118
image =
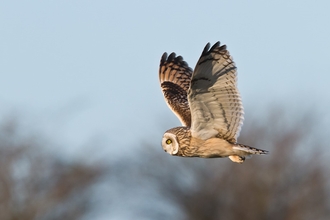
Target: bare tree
x,y
35,184
291,183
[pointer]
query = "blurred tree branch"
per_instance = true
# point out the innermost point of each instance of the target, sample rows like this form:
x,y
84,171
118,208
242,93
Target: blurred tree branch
x,y
37,185
286,184
291,183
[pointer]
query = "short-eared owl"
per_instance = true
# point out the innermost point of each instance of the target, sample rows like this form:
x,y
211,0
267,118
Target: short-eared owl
x,y
208,104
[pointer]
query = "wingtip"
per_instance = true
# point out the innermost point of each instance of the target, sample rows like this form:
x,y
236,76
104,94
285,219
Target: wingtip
x,y
168,58
164,57
265,152
217,44
179,59
207,48
173,58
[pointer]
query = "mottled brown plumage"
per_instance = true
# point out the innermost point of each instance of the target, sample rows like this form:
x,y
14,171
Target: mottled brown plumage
x,y
174,77
208,104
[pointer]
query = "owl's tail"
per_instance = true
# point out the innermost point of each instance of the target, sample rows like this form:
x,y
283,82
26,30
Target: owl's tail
x,y
247,150
243,151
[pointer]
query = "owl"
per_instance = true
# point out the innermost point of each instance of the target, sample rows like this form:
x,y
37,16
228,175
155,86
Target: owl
x,y
208,104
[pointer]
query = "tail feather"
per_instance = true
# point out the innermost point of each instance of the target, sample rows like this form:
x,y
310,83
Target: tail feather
x,y
249,150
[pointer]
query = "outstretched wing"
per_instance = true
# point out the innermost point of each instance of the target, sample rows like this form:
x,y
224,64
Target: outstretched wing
x,y
174,77
214,99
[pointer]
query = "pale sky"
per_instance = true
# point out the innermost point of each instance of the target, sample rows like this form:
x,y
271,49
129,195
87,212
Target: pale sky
x,y
85,71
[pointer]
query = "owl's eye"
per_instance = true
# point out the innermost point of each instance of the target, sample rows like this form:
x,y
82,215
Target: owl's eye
x,y
168,141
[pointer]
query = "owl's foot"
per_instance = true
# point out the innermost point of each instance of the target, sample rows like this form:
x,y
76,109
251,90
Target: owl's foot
x,y
237,159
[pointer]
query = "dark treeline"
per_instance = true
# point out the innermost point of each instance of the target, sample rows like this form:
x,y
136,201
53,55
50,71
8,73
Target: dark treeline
x,y
291,183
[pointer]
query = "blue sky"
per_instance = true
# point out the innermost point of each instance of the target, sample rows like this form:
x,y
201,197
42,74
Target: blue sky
x,y
81,72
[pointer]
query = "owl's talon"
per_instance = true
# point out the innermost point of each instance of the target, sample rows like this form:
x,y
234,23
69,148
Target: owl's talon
x,y
237,159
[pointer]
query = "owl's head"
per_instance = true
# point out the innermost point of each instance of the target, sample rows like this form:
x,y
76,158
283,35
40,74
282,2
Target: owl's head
x,y
170,143
176,139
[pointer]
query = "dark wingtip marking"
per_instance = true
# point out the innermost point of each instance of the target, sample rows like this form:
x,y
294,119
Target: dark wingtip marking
x,y
206,48
176,59
171,56
217,44
265,152
223,47
179,59
164,57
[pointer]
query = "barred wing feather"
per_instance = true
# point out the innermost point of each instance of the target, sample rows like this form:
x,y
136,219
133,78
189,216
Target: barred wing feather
x,y
175,76
215,102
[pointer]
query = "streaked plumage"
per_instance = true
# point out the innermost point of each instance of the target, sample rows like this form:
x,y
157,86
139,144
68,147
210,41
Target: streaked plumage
x,y
208,104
